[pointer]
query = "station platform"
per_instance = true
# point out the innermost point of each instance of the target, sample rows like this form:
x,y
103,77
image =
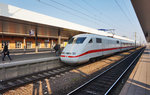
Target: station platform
x,y
138,82
29,63
17,57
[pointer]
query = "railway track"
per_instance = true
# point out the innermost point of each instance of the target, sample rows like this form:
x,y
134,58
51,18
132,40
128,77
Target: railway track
x,y
23,80
103,83
20,81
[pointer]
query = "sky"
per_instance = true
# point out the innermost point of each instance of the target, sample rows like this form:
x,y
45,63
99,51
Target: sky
x,y
98,14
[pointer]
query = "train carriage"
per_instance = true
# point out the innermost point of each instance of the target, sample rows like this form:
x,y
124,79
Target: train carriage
x,y
83,47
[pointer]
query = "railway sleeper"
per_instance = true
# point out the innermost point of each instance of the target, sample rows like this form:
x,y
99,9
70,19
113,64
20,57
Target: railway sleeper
x,y
102,80
100,85
41,75
107,79
20,81
84,92
95,90
46,74
34,77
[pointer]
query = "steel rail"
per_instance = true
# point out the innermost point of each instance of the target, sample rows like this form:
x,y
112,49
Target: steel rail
x,y
5,86
123,73
100,74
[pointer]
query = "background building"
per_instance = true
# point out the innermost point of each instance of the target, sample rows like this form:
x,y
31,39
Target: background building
x,y
24,29
21,34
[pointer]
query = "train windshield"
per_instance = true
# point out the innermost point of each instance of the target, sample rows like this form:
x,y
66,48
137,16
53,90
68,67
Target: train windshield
x,y
78,40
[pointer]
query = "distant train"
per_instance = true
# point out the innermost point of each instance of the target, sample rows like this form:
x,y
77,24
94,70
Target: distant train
x,y
83,47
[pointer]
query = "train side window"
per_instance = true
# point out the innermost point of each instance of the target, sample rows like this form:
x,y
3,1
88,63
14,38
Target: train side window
x,y
117,42
91,41
98,40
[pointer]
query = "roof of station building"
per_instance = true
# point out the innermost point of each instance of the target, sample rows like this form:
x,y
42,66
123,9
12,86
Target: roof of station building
x,y
142,8
30,16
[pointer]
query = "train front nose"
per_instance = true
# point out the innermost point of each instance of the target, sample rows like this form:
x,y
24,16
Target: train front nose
x,y
68,59
70,54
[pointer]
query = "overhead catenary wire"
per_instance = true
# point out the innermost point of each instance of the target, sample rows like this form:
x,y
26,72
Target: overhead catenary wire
x,y
65,11
130,13
75,3
90,17
95,15
123,11
131,22
72,1
100,13
90,5
127,8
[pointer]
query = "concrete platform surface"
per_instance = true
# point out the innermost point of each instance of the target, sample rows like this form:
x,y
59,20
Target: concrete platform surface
x,y
27,56
139,80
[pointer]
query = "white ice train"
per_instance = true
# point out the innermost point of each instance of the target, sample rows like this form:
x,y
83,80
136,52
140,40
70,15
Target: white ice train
x,y
83,47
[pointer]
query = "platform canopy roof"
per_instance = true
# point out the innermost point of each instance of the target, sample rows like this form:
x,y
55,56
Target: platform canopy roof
x,y
30,16
142,9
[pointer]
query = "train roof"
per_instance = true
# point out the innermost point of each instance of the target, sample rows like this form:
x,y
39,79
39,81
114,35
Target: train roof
x,y
102,36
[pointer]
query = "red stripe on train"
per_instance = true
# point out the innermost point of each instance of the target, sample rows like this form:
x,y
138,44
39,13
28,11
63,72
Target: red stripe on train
x,y
93,51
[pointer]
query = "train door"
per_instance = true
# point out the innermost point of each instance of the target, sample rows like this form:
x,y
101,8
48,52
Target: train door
x,y
111,46
121,45
89,47
99,46
117,45
104,46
